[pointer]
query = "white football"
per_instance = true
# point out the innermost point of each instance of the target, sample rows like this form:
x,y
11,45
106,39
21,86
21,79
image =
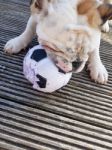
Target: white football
x,y
40,70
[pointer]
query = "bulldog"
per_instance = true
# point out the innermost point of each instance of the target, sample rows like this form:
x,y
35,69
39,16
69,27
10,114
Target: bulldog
x,y
70,32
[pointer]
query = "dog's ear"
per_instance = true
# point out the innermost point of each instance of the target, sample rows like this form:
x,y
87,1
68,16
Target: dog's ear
x,y
36,6
105,11
88,8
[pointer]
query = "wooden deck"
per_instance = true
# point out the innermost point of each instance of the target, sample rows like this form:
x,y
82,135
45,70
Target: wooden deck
x,y
77,117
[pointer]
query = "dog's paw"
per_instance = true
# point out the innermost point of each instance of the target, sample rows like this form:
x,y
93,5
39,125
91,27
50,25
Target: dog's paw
x,y
14,46
105,27
98,73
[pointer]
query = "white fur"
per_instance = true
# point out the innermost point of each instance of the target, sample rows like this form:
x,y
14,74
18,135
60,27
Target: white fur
x,y
105,27
97,70
54,29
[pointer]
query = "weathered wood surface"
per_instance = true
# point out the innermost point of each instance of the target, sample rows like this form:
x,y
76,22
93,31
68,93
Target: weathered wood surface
x,y
79,116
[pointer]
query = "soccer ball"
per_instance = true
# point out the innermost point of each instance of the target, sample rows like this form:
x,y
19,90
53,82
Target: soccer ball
x,y
41,71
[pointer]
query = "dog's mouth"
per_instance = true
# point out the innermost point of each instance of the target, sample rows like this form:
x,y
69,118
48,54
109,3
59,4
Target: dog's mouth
x,y
78,66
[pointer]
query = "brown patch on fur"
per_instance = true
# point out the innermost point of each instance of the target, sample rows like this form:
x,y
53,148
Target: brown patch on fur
x,y
78,32
105,11
85,6
88,8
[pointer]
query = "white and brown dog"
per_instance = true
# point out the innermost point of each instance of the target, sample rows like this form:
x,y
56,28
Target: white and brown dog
x,y
70,31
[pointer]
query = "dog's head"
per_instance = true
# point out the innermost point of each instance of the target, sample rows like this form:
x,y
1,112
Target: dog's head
x,y
73,26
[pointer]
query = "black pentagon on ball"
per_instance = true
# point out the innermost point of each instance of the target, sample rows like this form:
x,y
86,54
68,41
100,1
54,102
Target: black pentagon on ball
x,y
38,55
42,81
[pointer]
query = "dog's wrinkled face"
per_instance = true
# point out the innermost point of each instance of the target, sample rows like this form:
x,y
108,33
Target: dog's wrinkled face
x,y
71,27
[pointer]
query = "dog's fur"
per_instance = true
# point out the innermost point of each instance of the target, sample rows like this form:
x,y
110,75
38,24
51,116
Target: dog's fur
x,y
69,30
105,27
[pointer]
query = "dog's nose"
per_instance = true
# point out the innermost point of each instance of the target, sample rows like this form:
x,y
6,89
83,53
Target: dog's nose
x,y
77,64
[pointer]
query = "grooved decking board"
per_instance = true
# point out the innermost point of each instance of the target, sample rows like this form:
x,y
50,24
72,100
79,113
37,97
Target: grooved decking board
x,y
76,117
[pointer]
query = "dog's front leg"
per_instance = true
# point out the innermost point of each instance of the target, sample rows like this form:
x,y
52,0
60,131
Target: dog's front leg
x,y
20,42
97,70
